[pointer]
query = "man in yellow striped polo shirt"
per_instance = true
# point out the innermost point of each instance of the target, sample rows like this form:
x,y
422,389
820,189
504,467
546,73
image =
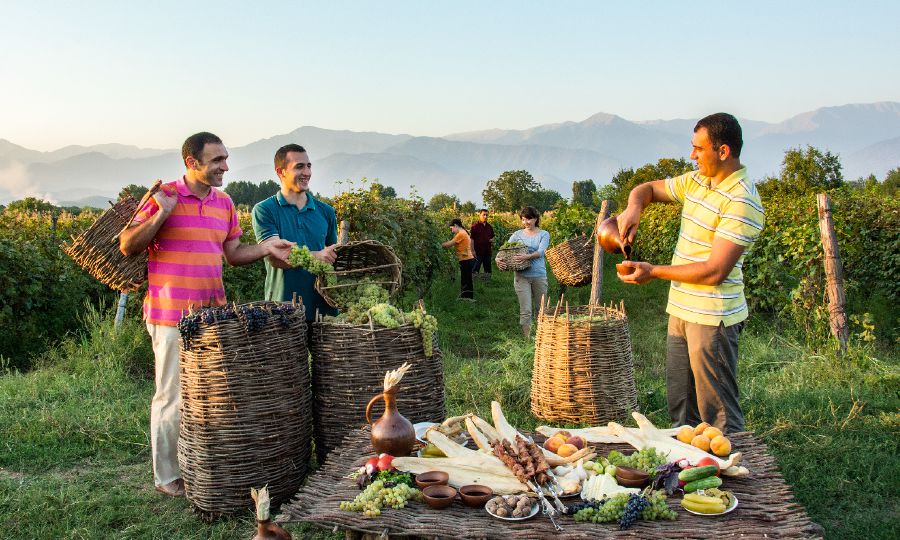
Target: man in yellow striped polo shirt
x,y
722,215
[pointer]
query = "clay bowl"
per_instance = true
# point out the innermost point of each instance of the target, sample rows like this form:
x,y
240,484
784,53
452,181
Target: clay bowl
x,y
432,478
475,495
630,477
439,496
622,269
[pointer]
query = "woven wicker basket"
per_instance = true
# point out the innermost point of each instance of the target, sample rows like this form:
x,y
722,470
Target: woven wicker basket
x,y
356,260
97,248
572,261
505,256
348,367
583,365
246,411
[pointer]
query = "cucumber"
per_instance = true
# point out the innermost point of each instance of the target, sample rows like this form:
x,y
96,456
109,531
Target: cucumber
x,y
703,483
696,473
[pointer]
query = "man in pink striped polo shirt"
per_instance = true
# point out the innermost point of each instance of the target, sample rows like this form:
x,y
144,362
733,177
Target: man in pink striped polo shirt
x,y
188,226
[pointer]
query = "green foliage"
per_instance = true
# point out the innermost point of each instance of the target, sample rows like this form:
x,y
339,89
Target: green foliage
x,y
136,191
403,224
657,233
385,192
546,199
245,283
441,201
511,191
569,221
583,193
249,193
805,171
627,179
32,204
891,183
468,207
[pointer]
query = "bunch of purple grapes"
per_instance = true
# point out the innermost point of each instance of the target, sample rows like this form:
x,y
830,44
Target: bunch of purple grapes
x,y
254,317
633,508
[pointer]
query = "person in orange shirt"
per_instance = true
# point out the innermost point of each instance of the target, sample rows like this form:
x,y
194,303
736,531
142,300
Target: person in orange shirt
x,y
463,245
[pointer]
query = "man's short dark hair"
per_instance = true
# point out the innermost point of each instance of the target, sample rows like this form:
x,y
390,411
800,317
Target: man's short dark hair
x,y
193,145
480,210
531,212
281,154
723,129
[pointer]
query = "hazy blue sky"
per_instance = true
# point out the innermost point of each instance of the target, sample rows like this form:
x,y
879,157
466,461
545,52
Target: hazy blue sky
x,y
149,73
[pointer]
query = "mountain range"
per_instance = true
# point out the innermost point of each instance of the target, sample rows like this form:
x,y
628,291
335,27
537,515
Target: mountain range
x,y
865,136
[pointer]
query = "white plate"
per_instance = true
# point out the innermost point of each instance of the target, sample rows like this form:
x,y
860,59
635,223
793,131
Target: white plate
x,y
729,509
421,428
534,511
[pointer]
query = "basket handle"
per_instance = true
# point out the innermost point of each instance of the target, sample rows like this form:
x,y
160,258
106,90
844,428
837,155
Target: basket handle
x,y
369,406
150,192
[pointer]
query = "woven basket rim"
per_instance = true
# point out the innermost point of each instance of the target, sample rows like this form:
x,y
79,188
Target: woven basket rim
x,y
393,268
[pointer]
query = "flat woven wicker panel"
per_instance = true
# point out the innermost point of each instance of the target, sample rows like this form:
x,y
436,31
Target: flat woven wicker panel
x,y
363,259
572,261
348,367
766,508
583,366
246,412
97,250
505,256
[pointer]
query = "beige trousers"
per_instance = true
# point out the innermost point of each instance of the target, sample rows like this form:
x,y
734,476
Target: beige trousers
x,y
165,408
529,291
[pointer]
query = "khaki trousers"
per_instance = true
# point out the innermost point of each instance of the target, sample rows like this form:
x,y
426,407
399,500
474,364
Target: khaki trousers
x,y
165,408
529,291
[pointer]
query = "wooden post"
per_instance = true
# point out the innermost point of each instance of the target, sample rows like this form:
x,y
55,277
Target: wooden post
x,y
120,311
834,273
597,278
343,232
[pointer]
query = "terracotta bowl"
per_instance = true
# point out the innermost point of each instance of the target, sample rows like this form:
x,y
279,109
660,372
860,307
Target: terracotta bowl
x,y
432,478
475,495
630,477
622,269
439,496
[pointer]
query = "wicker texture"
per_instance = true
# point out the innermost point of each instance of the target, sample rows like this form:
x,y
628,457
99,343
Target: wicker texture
x,y
348,367
583,365
505,257
766,507
246,412
97,250
363,259
572,261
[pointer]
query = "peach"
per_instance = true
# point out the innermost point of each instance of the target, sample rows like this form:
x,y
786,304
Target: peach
x,y
553,444
701,427
720,446
701,442
685,434
564,433
567,450
576,441
712,432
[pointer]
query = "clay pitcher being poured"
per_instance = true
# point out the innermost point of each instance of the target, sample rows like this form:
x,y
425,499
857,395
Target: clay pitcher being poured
x,y
610,240
392,434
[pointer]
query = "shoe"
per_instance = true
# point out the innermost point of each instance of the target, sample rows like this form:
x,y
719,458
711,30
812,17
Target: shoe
x,y
175,488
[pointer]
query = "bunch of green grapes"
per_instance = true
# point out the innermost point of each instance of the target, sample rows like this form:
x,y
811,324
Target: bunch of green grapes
x,y
376,496
301,257
646,459
361,295
386,315
427,325
614,508
509,245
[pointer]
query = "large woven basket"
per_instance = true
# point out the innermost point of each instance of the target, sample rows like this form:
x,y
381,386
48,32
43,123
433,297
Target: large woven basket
x,y
505,257
97,248
362,259
246,408
348,367
583,365
572,261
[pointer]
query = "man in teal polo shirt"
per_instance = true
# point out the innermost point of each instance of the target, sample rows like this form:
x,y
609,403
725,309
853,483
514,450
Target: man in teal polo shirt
x,y
294,214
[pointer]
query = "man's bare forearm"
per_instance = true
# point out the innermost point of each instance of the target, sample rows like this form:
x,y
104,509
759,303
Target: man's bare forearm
x,y
699,273
137,238
246,254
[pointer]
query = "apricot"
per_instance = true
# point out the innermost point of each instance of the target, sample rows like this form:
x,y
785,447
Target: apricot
x,y
712,432
701,427
553,444
576,441
720,446
564,433
567,450
701,442
685,434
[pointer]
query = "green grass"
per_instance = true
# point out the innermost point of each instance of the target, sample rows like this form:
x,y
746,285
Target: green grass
x,y
74,452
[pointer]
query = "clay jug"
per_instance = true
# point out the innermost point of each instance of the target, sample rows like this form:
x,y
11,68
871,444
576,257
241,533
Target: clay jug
x,y
392,433
269,530
610,240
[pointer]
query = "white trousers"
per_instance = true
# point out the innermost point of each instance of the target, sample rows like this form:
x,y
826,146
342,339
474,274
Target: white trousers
x,y
165,408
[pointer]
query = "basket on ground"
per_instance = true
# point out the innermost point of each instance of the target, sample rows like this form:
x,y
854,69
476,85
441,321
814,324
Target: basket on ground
x,y
505,257
246,405
348,367
97,249
356,261
572,261
583,365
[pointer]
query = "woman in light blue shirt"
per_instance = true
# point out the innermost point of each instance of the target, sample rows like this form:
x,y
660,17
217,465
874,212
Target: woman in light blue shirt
x,y
530,284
